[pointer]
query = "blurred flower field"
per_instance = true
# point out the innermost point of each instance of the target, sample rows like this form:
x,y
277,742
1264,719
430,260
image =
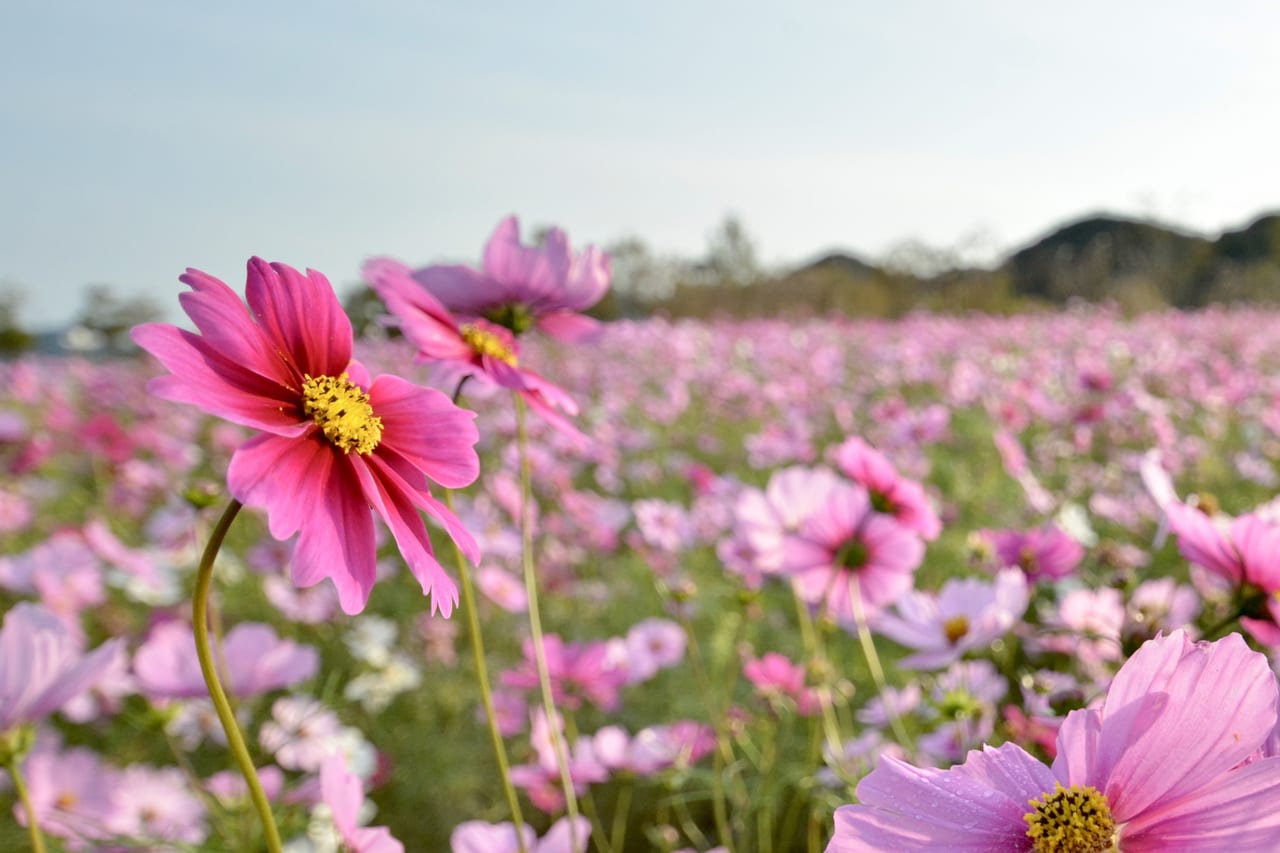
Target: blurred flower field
x,y
766,554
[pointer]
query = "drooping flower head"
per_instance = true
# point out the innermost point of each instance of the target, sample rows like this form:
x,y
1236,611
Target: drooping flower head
x,y
478,347
1160,766
522,287
333,444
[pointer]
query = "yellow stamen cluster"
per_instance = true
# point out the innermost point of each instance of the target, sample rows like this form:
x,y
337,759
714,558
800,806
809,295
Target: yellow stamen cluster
x,y
1071,820
955,628
343,413
487,343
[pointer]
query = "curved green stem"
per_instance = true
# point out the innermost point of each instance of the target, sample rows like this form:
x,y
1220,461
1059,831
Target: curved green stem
x,y
558,744
482,676
33,825
200,625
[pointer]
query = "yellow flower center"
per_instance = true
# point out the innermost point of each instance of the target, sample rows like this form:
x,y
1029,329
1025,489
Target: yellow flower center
x,y
487,343
66,801
343,413
1071,820
955,628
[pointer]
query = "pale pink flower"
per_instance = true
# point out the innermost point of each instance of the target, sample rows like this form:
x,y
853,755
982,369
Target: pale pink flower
x,y
251,658
42,666
343,793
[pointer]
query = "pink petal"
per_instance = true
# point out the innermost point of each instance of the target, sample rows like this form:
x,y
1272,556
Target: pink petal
x,y
385,491
226,326
426,428
285,476
212,382
461,288
1173,737
1237,812
337,540
341,792
302,315
570,326
976,806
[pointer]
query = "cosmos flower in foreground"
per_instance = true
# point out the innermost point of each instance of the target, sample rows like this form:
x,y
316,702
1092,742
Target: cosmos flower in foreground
x,y
1172,760
333,444
522,286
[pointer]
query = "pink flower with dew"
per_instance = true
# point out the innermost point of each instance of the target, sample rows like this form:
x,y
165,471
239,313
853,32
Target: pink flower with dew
x,y
332,445
478,348
847,557
1246,554
1042,552
966,614
1156,768
72,794
523,287
42,666
251,658
653,645
343,793
890,492
476,836
775,677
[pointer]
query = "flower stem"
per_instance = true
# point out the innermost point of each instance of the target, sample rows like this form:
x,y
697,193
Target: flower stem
x,y
558,744
873,663
200,625
20,785
482,676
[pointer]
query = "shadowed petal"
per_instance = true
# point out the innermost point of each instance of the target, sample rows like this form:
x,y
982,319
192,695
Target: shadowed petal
x,y
1237,812
286,477
336,540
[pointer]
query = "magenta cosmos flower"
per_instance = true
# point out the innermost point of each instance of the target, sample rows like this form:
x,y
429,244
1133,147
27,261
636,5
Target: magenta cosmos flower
x,y
845,545
481,348
1170,761
890,492
523,286
333,444
1042,552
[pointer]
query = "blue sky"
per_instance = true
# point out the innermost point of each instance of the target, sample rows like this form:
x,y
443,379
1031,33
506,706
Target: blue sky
x,y
140,138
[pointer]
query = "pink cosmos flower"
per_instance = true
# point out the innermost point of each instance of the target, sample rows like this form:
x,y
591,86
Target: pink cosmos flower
x,y
478,347
775,676
1247,554
41,665
333,445
251,657
845,542
1158,767
577,671
1042,552
72,793
890,492
343,794
967,613
525,286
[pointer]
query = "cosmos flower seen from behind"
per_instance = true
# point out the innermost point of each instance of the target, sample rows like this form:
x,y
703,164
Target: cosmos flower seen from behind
x,y
333,445
1160,766
523,287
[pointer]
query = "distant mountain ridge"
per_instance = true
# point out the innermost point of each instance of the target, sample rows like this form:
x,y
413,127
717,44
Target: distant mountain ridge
x,y
1140,264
